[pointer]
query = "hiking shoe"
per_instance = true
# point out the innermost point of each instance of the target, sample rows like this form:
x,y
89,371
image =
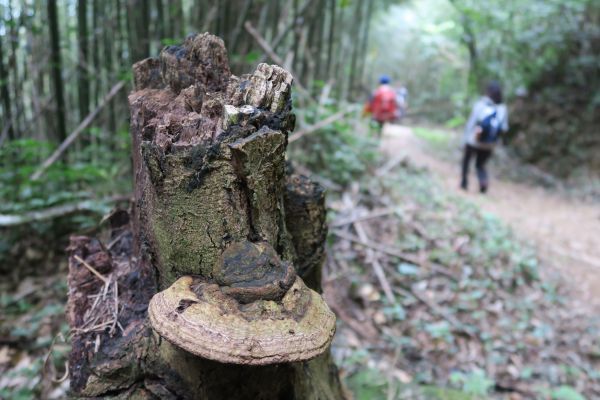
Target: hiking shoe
x,y
483,189
463,185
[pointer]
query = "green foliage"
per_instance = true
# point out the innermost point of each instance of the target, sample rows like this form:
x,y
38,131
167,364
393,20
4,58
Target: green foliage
x,y
89,175
368,384
436,138
340,152
418,45
544,53
84,176
371,384
475,383
566,393
517,41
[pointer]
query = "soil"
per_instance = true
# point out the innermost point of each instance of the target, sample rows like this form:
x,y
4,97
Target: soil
x,y
565,230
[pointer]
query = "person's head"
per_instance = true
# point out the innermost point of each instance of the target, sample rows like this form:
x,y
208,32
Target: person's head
x,y
384,80
493,90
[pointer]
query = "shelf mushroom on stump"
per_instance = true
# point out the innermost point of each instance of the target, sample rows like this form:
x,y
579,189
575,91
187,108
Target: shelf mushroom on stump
x,y
210,294
263,315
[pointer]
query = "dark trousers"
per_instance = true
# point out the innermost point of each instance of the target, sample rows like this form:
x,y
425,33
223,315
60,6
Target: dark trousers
x,y
481,158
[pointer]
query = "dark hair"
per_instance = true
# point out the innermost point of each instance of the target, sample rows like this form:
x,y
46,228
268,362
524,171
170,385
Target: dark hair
x,y
494,92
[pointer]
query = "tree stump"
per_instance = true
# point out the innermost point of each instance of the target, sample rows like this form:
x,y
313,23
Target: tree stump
x,y
211,290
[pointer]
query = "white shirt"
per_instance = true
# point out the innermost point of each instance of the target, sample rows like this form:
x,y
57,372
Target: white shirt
x,y
481,109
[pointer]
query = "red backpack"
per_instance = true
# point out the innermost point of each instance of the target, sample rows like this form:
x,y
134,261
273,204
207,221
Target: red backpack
x,y
383,105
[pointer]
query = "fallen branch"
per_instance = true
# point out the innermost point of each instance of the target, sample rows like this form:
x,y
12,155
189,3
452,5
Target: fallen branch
x,y
390,165
377,268
379,247
73,135
337,223
321,124
329,184
456,324
271,53
288,28
394,253
92,269
58,211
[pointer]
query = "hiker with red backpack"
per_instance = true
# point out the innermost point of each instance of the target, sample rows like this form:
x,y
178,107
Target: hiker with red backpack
x,y
383,105
488,121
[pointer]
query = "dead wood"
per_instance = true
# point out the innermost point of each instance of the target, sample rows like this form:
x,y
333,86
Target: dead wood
x,y
214,209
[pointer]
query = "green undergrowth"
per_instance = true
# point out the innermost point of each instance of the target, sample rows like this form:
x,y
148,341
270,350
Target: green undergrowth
x,y
437,138
87,177
489,326
340,152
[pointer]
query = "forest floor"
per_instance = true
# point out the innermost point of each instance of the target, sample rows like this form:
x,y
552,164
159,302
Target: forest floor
x,y
565,230
439,290
435,297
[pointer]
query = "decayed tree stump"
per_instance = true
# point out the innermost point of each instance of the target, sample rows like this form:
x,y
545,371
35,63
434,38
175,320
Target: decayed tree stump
x,y
211,291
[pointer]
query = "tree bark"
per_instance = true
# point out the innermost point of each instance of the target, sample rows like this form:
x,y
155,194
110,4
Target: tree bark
x,y
209,166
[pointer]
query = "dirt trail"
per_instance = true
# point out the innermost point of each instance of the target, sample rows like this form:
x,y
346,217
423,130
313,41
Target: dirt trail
x,y
565,231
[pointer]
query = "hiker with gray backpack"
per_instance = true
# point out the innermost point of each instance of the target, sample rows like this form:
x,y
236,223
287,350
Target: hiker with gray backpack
x,y
488,121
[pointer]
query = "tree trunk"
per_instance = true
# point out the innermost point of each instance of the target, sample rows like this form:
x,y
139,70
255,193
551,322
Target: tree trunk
x,y
109,75
355,49
331,37
365,43
56,67
138,16
17,83
82,77
6,111
159,23
215,217
97,21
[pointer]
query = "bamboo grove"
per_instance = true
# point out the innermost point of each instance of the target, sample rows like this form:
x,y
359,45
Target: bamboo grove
x,y
58,59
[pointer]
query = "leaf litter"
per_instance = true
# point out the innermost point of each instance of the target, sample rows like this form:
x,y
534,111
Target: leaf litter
x,y
431,291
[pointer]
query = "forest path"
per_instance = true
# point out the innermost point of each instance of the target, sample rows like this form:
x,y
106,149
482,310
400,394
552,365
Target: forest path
x,y
565,231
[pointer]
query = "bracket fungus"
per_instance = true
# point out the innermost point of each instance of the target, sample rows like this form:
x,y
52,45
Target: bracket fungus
x,y
255,311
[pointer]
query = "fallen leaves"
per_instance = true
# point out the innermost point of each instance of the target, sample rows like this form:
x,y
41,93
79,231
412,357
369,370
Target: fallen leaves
x,y
452,292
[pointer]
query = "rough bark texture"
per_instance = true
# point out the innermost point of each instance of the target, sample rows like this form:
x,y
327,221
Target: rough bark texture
x,y
209,162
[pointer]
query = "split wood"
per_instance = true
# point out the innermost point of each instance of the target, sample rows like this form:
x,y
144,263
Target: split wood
x,y
271,53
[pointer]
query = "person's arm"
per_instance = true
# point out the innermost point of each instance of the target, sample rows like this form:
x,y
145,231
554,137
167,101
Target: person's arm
x,y
505,125
471,123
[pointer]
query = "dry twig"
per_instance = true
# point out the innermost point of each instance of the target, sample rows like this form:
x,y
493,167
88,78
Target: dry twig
x,y
92,269
377,268
321,124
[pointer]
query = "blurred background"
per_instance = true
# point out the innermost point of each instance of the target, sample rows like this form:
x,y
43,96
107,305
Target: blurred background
x,y
65,71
